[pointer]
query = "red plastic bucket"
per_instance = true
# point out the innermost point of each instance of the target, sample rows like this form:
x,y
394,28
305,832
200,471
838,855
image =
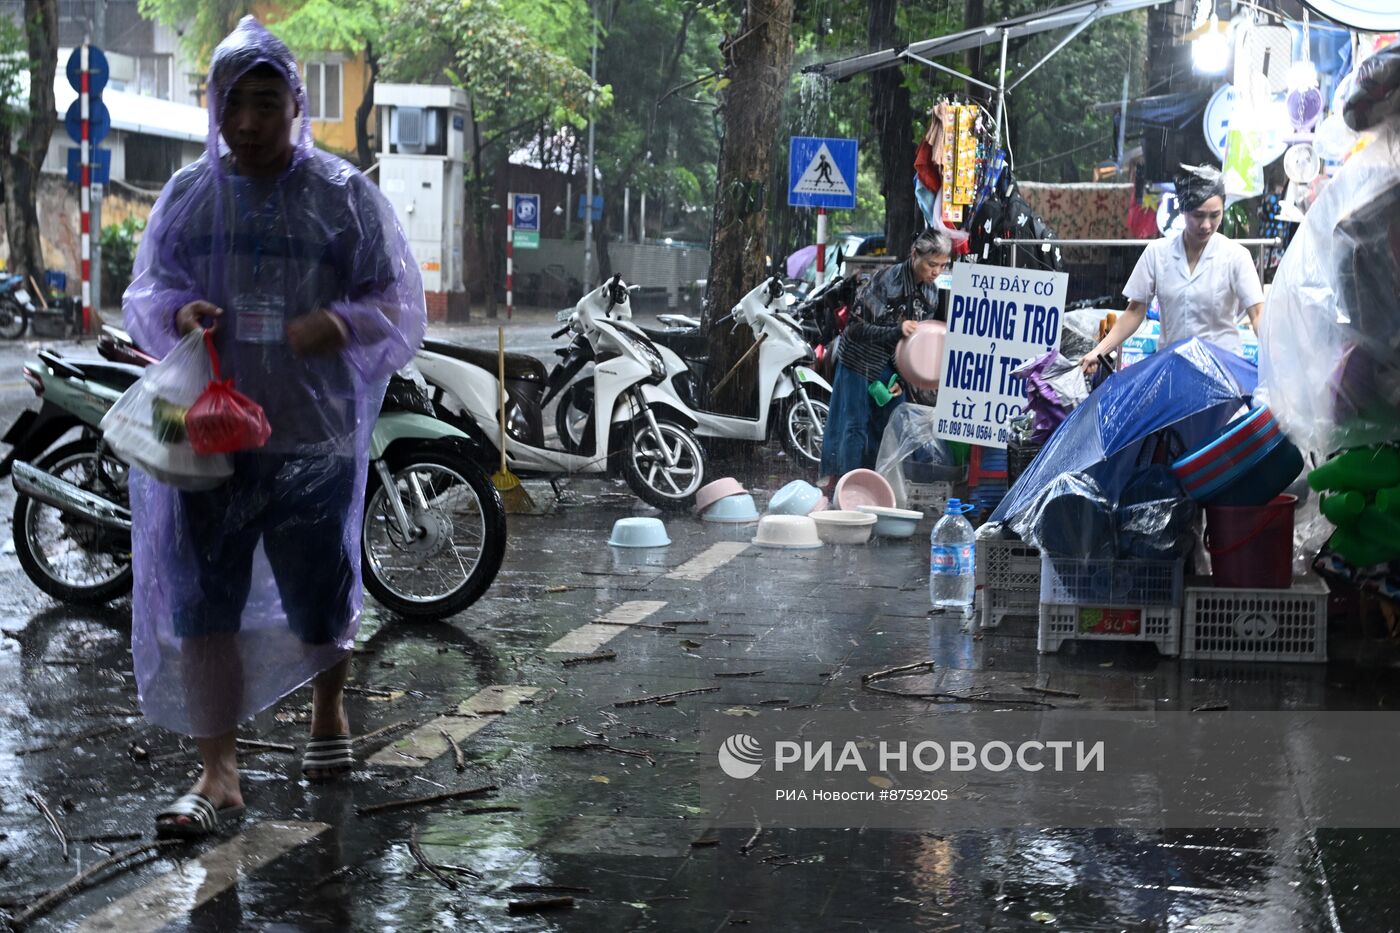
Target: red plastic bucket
x,y
1251,546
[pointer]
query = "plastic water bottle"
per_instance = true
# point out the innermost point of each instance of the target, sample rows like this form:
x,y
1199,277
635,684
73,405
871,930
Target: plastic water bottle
x,y
950,553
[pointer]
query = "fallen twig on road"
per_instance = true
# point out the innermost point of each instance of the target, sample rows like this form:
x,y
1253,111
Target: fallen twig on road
x,y
257,746
107,837
424,801
416,851
458,759
590,658
536,906
1217,706
1046,691
747,847
739,673
476,811
525,888
603,746
896,671
373,692
661,697
385,730
54,826
958,697
74,740
84,880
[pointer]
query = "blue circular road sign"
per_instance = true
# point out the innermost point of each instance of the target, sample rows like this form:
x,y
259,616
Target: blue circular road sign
x,y
99,121
97,70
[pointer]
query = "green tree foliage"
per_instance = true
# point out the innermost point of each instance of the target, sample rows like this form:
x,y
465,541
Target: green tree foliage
x,y
202,23
519,65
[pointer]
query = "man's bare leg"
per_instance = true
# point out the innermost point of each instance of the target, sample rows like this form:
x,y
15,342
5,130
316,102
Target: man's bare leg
x,y
328,716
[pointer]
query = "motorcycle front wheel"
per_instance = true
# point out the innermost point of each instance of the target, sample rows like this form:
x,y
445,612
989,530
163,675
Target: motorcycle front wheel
x,y
644,464
13,318
800,436
71,559
458,537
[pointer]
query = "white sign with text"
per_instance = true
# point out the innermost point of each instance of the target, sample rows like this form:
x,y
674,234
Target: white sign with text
x,y
999,318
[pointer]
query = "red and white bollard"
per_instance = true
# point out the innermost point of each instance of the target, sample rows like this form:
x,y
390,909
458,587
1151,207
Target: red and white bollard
x,y
85,190
821,245
510,258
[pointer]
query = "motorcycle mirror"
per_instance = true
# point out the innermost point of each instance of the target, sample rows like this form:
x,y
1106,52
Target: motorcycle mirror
x,y
564,315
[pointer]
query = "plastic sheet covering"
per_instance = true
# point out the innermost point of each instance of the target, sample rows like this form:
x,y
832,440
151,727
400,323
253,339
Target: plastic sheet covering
x,y
1071,517
910,453
1054,387
1330,346
1155,519
1184,394
247,591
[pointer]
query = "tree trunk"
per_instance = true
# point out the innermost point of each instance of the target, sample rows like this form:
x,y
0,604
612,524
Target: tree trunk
x,y
891,116
31,141
363,152
758,60
973,16
600,233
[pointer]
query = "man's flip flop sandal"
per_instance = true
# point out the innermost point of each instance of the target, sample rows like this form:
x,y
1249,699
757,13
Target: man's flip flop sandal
x,y
204,818
329,754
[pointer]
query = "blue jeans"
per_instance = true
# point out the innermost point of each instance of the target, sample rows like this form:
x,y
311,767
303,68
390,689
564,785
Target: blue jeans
x,y
855,424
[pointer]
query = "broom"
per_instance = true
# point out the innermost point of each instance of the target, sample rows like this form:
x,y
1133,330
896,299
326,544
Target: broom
x,y
513,494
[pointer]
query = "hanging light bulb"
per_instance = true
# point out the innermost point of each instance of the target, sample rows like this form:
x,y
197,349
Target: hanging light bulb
x,y
1210,46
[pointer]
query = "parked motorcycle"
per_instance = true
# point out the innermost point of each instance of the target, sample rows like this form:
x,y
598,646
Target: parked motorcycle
x,y
638,426
16,307
788,395
434,532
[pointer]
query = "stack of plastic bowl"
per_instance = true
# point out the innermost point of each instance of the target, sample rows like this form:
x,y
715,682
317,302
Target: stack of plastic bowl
x,y
792,532
725,501
892,522
863,487
919,357
841,527
639,533
797,498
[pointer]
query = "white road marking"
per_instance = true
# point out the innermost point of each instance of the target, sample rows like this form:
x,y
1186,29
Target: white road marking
x,y
708,561
180,891
475,713
589,638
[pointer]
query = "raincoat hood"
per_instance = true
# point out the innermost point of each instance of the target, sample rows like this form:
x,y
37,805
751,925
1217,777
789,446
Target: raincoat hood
x,y
248,46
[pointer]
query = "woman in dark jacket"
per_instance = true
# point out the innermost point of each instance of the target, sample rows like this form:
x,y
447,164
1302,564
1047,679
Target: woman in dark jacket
x,y
885,311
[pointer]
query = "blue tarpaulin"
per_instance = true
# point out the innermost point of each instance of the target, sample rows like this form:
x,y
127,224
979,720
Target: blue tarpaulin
x,y
1192,387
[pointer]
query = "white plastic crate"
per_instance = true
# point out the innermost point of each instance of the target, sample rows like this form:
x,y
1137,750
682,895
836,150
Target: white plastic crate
x,y
1257,625
928,497
1126,582
1159,625
1008,580
996,605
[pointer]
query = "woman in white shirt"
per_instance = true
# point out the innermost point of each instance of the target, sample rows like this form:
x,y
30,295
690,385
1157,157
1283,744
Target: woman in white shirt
x,y
1201,279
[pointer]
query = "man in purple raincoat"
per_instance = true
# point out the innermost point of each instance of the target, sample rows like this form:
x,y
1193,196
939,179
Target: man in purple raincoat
x,y
295,262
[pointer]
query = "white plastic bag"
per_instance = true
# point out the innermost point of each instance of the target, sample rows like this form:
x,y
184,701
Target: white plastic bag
x,y
146,426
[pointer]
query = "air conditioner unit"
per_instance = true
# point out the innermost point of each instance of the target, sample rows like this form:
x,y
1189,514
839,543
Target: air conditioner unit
x,y
413,129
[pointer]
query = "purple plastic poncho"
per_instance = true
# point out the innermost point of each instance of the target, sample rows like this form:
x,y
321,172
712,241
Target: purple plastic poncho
x,y
246,592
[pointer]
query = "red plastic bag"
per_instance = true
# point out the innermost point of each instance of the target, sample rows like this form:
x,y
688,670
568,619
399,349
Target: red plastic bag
x,y
224,420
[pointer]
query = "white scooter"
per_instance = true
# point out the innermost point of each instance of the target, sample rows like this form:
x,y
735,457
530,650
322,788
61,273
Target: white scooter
x,y
788,394
639,426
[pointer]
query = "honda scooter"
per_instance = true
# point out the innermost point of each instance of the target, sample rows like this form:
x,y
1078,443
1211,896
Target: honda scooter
x,y
789,395
637,424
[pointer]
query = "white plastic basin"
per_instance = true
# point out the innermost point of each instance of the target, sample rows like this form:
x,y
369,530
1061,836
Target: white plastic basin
x,y
639,532
839,526
787,531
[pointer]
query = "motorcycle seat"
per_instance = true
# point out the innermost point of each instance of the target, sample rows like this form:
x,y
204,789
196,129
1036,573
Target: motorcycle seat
x,y
520,366
687,343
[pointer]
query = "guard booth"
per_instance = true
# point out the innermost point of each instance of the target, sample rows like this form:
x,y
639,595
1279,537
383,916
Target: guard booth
x,y
423,144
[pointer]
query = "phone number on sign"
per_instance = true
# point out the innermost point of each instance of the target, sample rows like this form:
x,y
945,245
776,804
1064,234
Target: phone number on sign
x,y
971,431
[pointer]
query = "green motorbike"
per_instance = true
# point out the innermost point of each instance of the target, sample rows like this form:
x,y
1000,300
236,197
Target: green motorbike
x,y
434,530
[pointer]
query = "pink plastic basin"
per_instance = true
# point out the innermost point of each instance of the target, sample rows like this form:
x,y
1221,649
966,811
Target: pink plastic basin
x,y
919,357
863,487
710,493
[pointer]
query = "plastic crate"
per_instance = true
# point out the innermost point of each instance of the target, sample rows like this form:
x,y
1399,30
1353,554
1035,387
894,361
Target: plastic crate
x,y
1126,582
1257,625
928,497
1008,580
1158,625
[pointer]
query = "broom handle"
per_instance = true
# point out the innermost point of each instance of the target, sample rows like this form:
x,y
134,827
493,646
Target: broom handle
x,y
501,394
735,368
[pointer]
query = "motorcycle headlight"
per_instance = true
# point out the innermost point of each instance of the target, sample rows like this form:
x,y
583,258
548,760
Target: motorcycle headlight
x,y
653,358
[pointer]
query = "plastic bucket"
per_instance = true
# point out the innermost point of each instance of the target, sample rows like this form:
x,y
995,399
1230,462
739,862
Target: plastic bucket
x,y
1251,546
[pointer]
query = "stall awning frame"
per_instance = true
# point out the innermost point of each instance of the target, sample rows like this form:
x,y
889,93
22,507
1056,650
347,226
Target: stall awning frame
x,y
1076,16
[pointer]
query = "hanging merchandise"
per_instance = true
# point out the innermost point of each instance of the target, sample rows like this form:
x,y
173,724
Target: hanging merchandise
x,y
960,161
1263,55
1301,164
1244,167
1304,107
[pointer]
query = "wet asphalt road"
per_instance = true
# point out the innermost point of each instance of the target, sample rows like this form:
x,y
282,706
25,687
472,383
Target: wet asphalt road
x,y
616,831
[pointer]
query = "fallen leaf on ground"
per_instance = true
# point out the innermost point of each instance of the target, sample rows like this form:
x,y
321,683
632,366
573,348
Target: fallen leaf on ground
x,y
882,782
558,589
690,645
1041,916
740,711
601,779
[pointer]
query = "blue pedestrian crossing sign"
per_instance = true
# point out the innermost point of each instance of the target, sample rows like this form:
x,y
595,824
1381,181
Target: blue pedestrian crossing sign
x,y
822,172
526,208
